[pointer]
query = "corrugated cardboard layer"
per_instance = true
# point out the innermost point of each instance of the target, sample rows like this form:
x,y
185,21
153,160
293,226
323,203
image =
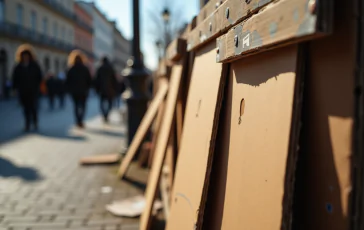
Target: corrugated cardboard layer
x,y
197,140
263,89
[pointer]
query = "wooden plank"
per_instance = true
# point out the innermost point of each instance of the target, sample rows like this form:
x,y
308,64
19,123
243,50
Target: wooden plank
x,y
101,159
143,128
263,125
176,49
161,146
197,146
158,122
223,18
166,179
207,10
280,23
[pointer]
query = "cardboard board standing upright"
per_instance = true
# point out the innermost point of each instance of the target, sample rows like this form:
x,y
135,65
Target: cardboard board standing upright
x,y
197,141
331,116
262,119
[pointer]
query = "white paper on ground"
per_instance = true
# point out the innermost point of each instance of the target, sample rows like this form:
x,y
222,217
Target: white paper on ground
x,y
131,207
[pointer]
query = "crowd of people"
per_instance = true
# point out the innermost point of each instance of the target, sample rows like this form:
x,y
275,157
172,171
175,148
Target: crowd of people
x,y
29,81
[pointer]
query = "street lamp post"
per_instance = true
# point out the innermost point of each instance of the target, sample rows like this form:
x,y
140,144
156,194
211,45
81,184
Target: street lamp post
x,y
136,95
166,16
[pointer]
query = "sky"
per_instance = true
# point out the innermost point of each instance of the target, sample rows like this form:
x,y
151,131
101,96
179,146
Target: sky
x,y
121,11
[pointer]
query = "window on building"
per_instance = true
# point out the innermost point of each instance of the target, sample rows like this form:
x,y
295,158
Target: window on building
x,y
55,30
2,10
33,20
19,14
45,25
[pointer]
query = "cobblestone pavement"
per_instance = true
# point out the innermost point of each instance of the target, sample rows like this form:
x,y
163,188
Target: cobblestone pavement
x,y
41,184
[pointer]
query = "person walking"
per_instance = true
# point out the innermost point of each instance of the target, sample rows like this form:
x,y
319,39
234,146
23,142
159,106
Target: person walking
x,y
61,88
106,87
78,83
51,83
27,77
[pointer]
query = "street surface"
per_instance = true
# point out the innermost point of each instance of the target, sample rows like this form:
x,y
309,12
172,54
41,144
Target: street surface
x,y
41,184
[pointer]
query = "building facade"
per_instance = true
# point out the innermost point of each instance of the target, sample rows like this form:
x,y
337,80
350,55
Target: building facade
x,y
48,25
103,33
121,51
84,33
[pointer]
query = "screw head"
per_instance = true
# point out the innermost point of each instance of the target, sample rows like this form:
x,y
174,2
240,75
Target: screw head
x,y
236,40
227,12
217,5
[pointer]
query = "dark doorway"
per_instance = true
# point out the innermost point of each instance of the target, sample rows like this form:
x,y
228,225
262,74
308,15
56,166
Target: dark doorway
x,y
4,82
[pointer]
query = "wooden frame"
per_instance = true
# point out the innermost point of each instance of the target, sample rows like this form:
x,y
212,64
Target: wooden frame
x,y
143,128
160,149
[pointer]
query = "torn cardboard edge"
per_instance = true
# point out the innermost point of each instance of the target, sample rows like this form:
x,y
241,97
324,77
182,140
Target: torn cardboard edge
x,y
294,138
224,73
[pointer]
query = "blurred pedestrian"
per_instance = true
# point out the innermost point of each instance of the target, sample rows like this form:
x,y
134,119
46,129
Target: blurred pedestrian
x,y
27,77
106,86
61,89
52,87
78,83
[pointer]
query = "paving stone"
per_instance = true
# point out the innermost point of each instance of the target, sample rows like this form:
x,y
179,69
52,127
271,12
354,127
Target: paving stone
x,y
67,196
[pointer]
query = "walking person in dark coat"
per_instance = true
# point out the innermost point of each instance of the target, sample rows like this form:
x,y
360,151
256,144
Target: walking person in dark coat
x,y
52,88
78,83
27,77
106,87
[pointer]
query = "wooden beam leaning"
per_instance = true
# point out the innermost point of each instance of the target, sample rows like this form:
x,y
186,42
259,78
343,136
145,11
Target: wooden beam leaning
x,y
281,23
227,15
143,128
176,49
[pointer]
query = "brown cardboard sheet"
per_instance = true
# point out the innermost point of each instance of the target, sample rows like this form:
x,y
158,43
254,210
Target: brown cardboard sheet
x,y
197,143
161,146
143,128
261,117
324,182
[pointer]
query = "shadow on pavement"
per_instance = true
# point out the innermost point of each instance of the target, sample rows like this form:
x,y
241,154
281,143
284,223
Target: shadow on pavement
x,y
137,184
61,134
105,132
9,169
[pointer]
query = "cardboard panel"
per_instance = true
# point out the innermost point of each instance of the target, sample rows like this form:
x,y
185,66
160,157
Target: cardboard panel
x,y
262,104
324,185
143,128
161,146
197,144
